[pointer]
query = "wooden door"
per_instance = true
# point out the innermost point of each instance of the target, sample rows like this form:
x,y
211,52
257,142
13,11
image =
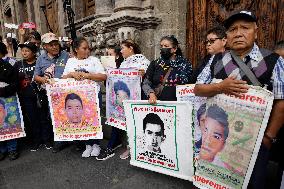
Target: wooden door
x,y
90,7
52,15
204,14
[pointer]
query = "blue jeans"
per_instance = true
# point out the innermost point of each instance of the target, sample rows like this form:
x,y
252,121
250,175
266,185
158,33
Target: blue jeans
x,y
113,138
8,146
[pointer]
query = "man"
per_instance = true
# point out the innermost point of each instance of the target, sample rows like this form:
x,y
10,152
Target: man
x,y
214,135
50,65
215,43
279,48
267,67
74,109
154,131
8,87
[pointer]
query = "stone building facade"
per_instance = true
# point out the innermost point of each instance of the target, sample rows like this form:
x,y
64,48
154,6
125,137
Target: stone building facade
x,y
107,22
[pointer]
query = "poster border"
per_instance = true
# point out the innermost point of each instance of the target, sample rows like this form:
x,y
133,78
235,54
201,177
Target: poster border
x,y
172,106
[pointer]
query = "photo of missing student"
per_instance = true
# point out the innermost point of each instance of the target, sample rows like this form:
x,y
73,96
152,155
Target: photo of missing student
x,y
122,84
75,112
156,137
229,137
11,124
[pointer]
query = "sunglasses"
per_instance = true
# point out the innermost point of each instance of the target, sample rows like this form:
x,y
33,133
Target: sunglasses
x,y
211,41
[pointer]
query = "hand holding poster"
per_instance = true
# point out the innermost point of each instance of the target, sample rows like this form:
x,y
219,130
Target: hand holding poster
x,y
74,110
233,131
122,84
159,135
11,121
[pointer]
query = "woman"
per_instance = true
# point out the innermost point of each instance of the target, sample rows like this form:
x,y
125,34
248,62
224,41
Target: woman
x,y
165,73
132,59
116,52
8,87
81,67
39,126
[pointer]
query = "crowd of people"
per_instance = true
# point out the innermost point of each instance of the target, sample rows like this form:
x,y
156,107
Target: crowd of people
x,y
43,60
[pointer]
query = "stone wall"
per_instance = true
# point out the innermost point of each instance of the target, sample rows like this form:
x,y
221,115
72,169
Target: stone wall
x,y
144,21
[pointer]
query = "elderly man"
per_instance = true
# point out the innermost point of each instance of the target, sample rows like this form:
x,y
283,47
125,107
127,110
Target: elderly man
x,y
263,68
49,65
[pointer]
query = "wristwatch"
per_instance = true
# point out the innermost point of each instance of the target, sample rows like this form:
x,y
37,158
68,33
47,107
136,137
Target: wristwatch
x,y
271,139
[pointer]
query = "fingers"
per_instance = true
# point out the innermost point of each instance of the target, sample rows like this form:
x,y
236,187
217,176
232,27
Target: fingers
x,y
239,82
152,101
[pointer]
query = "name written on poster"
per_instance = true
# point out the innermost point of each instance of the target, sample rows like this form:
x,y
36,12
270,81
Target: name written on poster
x,y
124,73
219,174
249,98
155,109
117,122
71,83
186,91
208,182
77,136
156,159
11,136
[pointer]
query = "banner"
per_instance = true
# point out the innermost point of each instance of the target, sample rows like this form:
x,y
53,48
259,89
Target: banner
x,y
30,25
11,26
185,93
231,138
159,135
74,108
11,120
122,84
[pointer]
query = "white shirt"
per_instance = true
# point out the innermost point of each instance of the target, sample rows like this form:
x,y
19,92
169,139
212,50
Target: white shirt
x,y
90,64
138,61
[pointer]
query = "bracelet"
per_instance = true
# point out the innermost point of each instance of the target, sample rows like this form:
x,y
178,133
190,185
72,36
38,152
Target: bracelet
x,y
271,139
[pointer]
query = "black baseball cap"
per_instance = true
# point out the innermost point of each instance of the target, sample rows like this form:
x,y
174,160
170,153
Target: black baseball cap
x,y
30,46
239,15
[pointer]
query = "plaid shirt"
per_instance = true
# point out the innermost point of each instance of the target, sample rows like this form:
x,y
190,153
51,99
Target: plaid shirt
x,y
277,78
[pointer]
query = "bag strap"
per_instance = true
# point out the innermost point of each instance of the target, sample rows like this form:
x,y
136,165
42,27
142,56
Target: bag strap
x,y
166,76
251,76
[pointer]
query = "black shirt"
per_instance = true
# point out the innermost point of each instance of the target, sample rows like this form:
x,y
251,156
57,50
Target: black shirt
x,y
25,75
8,75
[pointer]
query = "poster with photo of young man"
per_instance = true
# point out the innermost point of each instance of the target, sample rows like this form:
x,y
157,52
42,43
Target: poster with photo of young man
x,y
159,135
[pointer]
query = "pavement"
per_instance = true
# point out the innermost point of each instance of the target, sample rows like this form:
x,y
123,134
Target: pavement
x,y
67,170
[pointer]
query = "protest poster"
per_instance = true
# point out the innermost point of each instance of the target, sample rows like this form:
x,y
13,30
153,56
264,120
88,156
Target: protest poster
x,y
233,132
185,93
74,109
11,120
122,84
159,135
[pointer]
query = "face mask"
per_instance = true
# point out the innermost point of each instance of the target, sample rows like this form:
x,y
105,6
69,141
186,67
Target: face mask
x,y
166,53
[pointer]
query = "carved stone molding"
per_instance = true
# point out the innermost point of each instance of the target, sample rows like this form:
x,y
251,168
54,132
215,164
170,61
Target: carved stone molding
x,y
112,30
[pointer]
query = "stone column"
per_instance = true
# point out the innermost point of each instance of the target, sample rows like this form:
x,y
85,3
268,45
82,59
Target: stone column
x,y
127,3
104,7
31,12
61,19
39,17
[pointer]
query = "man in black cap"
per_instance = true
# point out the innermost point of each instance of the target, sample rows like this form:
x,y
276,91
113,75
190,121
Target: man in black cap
x,y
244,64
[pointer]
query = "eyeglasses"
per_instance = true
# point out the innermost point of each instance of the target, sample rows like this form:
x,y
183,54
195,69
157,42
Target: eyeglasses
x,y
211,41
